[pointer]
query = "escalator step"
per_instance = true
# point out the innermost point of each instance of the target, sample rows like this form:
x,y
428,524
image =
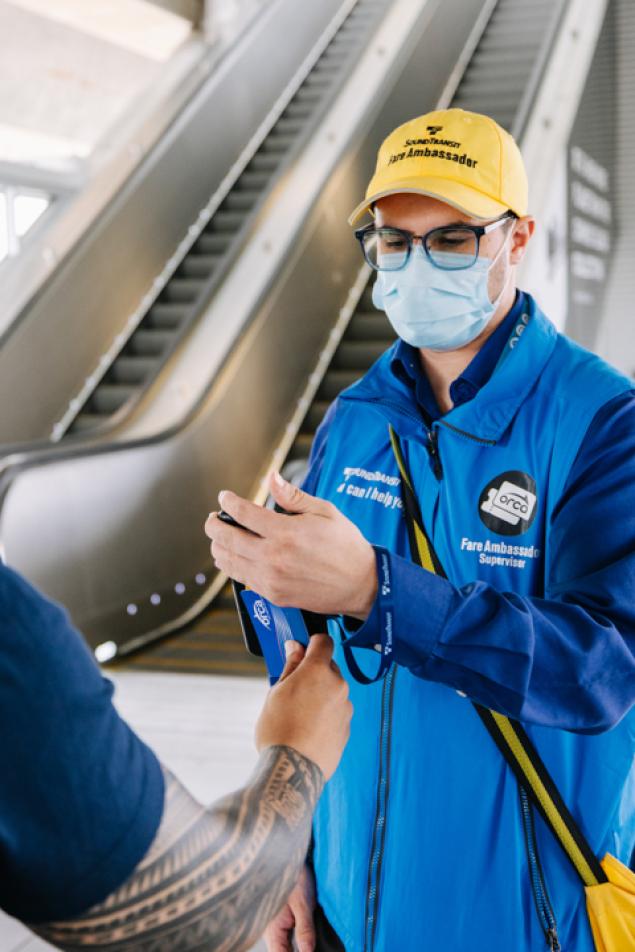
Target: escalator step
x,y
199,266
318,79
485,86
366,300
357,355
289,125
108,398
211,244
226,221
301,447
277,143
165,316
310,94
148,343
297,110
182,289
253,181
242,201
130,370
315,415
264,162
374,326
86,421
502,39
500,62
335,381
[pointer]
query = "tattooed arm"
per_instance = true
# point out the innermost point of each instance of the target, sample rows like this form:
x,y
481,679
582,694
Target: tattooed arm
x,y
213,878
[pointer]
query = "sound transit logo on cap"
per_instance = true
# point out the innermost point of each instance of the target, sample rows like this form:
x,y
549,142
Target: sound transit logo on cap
x,y
462,158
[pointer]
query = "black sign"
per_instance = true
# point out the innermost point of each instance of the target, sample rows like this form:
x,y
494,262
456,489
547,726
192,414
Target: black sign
x,y
508,503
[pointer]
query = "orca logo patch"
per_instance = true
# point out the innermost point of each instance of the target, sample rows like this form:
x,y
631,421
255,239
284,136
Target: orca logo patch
x,y
507,505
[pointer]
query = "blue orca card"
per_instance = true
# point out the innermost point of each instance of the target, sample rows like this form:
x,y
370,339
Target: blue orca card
x,y
273,626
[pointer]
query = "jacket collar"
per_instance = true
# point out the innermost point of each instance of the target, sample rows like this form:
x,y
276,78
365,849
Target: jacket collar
x,y
488,415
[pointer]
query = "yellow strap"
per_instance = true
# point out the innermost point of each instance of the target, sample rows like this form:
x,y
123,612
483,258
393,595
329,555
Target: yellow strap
x,y
560,827
504,724
423,546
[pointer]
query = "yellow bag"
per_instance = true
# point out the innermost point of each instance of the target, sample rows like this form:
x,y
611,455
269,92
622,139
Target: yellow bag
x,y
611,908
609,885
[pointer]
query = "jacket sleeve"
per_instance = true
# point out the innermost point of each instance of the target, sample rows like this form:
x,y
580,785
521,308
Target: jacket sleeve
x,y
565,660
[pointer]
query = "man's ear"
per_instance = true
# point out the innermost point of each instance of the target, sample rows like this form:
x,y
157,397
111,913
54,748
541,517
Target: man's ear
x,y
523,230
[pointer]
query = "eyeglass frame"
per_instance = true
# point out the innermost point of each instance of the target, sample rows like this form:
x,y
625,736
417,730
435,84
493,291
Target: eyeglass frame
x,y
477,230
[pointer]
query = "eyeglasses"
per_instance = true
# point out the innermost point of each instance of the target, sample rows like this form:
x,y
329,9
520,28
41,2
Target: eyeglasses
x,y
450,248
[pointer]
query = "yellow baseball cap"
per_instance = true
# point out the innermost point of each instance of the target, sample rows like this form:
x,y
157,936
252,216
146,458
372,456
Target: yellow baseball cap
x,y
462,158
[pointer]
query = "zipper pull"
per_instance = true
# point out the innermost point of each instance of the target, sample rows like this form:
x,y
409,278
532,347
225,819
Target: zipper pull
x,y
433,449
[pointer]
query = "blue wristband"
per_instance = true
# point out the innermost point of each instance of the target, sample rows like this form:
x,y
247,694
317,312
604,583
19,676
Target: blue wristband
x,y
386,616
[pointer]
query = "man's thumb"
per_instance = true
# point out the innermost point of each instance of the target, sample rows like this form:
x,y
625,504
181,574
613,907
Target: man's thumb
x,y
294,653
288,496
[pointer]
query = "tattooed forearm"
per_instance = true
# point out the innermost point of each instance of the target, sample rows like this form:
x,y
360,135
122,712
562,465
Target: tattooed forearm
x,y
213,878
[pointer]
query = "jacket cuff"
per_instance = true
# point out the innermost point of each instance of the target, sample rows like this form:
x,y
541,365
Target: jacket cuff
x,y
409,613
367,634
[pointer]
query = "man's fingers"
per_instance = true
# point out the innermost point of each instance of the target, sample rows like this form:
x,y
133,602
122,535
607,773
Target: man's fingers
x,y
295,654
293,499
277,935
235,540
277,939
248,514
304,927
235,566
320,649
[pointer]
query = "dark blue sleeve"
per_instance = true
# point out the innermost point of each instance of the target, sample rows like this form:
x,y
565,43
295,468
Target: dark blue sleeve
x,y
565,660
81,797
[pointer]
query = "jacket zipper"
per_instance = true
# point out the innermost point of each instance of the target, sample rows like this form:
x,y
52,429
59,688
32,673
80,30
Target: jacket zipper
x,y
433,450
536,875
432,435
381,810
469,436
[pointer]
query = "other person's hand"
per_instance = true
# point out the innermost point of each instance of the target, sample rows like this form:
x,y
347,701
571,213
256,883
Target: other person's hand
x,y
308,709
317,559
295,919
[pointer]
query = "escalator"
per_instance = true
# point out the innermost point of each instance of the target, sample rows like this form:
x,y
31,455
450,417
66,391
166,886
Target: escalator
x,y
289,325
513,44
194,281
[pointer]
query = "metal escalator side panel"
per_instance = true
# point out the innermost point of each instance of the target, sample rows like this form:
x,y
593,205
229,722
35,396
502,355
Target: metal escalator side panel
x,y
94,292
224,225
111,528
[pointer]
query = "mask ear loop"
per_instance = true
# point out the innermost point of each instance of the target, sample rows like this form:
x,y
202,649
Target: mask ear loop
x,y
493,262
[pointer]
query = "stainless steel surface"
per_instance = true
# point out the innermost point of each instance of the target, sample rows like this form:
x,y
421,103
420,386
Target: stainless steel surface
x,y
200,264
102,282
358,337
116,532
112,528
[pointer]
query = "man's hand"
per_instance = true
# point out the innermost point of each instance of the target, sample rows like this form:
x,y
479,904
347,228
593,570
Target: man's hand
x,y
317,559
308,709
295,919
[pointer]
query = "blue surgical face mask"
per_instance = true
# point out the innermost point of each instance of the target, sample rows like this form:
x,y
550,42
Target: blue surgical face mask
x,y
437,309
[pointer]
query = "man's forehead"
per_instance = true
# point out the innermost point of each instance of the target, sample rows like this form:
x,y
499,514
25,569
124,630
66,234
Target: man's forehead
x,y
416,205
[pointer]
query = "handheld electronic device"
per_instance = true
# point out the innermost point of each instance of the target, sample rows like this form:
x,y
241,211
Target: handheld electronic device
x,y
266,626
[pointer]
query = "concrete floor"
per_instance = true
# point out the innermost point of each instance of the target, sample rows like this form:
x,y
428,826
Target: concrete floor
x,y
200,726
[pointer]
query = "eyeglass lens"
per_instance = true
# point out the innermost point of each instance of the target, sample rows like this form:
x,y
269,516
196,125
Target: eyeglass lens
x,y
450,249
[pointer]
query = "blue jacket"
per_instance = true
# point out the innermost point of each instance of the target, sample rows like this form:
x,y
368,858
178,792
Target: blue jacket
x,y
418,837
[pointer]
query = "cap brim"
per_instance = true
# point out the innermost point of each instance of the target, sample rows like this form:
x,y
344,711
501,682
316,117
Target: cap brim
x,y
467,200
